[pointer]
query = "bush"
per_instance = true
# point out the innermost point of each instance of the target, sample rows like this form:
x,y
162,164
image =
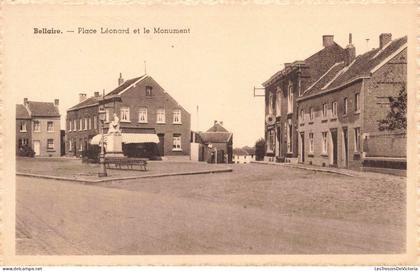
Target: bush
x,y
260,149
26,151
91,154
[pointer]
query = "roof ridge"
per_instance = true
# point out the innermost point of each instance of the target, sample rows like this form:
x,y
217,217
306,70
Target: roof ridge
x,y
319,79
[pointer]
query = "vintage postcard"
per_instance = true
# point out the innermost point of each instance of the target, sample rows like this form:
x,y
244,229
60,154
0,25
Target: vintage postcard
x,y
210,133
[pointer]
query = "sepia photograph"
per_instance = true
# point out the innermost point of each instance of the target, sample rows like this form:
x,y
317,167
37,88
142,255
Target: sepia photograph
x,y
266,132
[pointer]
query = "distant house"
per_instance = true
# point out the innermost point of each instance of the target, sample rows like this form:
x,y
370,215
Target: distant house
x,y
38,126
243,156
216,140
147,113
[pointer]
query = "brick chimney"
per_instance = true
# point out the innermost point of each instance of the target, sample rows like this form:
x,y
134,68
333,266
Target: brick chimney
x,y
221,123
82,97
25,101
96,94
350,52
56,102
327,40
120,80
384,39
215,122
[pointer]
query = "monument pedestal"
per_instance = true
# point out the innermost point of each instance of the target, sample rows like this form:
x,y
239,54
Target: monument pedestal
x,y
114,145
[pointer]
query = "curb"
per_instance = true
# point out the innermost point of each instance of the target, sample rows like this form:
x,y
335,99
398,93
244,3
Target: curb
x,y
85,181
305,168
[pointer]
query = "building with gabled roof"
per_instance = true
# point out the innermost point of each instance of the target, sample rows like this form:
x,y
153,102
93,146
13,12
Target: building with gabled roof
x,y
216,139
38,126
339,113
144,108
281,91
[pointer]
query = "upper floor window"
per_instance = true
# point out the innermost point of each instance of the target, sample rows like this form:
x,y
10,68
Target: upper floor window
x,y
80,124
74,125
143,115
70,124
107,115
22,126
125,114
346,106
86,123
324,142
90,123
160,116
148,91
334,109
270,103
278,102
357,102
37,126
311,113
95,122
324,110
302,115
176,144
50,126
177,116
290,98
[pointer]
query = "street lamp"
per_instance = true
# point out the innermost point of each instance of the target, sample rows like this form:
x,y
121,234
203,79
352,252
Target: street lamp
x,y
102,168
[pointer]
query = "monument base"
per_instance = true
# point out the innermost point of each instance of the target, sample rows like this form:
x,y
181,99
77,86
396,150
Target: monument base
x,y
114,146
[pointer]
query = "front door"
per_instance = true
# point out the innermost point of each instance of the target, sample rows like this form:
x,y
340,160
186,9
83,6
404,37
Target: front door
x,y
161,144
302,147
334,145
346,144
37,147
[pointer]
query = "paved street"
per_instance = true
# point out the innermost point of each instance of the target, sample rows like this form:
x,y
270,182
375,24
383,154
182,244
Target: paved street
x,y
256,209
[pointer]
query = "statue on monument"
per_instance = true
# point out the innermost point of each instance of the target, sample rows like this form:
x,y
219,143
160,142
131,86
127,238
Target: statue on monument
x,y
114,126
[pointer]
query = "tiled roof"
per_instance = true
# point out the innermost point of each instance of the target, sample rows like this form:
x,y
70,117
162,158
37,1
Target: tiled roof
x,y
88,102
339,74
43,109
124,85
217,128
215,137
21,112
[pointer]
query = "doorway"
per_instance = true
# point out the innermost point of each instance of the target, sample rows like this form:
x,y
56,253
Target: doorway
x,y
302,147
161,144
37,147
346,147
334,147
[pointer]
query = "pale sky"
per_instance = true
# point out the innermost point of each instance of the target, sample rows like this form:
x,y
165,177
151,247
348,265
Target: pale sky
x,y
230,49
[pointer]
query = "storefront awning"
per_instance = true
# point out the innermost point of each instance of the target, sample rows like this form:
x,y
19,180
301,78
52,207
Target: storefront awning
x,y
129,138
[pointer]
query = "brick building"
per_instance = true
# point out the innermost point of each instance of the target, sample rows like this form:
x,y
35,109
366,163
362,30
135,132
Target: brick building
x,y
216,138
144,108
339,113
38,126
281,92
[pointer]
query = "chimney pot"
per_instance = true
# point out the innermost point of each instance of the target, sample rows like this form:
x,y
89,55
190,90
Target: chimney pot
x,y
215,122
56,102
25,101
120,80
327,40
350,52
384,39
96,93
82,97
221,123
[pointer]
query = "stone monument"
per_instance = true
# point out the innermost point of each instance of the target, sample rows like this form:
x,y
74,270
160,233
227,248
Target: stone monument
x,y
114,139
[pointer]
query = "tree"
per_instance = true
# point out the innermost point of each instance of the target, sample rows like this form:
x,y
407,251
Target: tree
x,y
260,149
397,117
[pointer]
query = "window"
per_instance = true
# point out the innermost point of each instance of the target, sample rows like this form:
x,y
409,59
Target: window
x,y
270,141
311,113
80,124
23,142
324,142
37,126
23,126
324,110
278,102
290,98
50,144
80,145
311,142
334,109
107,115
357,140
95,122
143,115
357,102
70,145
70,124
125,114
148,91
160,116
176,145
289,138
346,104
90,123
86,123
74,125
302,115
50,126
177,116
270,103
